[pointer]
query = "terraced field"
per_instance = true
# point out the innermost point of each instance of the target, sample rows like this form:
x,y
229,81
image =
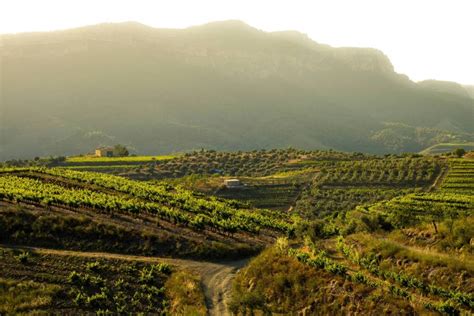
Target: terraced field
x,y
412,255
454,198
344,185
376,271
460,178
370,235
223,224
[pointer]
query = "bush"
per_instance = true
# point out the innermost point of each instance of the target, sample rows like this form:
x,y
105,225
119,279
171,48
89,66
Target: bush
x,y
23,257
459,152
185,294
93,266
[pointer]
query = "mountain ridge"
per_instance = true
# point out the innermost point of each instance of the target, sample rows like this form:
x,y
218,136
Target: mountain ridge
x,y
223,85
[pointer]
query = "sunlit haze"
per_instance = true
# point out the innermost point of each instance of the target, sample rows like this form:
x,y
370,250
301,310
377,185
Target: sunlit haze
x,y
425,39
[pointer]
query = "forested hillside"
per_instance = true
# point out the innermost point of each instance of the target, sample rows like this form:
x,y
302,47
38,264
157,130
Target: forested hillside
x,y
223,85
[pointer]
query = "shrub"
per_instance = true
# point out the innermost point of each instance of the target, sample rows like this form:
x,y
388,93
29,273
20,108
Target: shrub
x,y
23,257
93,266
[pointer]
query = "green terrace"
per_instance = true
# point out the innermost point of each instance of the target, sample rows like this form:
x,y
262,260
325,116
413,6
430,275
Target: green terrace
x,y
130,160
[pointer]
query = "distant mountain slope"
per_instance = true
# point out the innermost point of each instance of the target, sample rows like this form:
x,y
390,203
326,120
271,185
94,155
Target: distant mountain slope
x,y
470,90
222,85
445,87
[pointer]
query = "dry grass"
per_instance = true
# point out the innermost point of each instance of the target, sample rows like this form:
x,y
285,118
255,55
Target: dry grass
x,y
276,283
184,291
25,296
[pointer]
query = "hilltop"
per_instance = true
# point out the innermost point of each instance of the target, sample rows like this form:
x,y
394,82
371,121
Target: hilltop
x,y
223,85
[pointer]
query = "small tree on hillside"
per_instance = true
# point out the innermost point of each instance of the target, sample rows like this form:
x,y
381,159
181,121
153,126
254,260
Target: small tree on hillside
x,y
120,151
459,152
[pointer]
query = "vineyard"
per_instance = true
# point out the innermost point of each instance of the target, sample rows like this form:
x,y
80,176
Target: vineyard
x,y
288,280
366,267
398,284
344,185
446,298
455,198
44,282
403,232
354,233
222,169
170,204
460,178
315,183
180,221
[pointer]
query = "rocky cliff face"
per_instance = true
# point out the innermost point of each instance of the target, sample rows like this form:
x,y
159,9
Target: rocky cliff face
x,y
365,59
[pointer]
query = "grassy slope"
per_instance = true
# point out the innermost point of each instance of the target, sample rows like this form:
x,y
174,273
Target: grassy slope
x,y
277,283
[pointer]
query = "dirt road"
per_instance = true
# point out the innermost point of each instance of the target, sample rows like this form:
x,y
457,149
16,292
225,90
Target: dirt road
x,y
216,276
439,179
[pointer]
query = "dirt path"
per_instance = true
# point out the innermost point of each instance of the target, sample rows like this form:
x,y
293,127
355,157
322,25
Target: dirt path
x,y
218,285
216,276
439,179
304,187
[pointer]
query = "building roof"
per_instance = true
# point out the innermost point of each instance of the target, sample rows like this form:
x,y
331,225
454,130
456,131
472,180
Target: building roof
x,y
232,180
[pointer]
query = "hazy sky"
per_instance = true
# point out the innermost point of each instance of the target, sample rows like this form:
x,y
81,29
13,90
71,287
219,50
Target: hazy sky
x,y
425,39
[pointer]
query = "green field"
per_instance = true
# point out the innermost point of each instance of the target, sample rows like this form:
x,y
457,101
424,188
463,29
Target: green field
x,y
81,159
99,167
